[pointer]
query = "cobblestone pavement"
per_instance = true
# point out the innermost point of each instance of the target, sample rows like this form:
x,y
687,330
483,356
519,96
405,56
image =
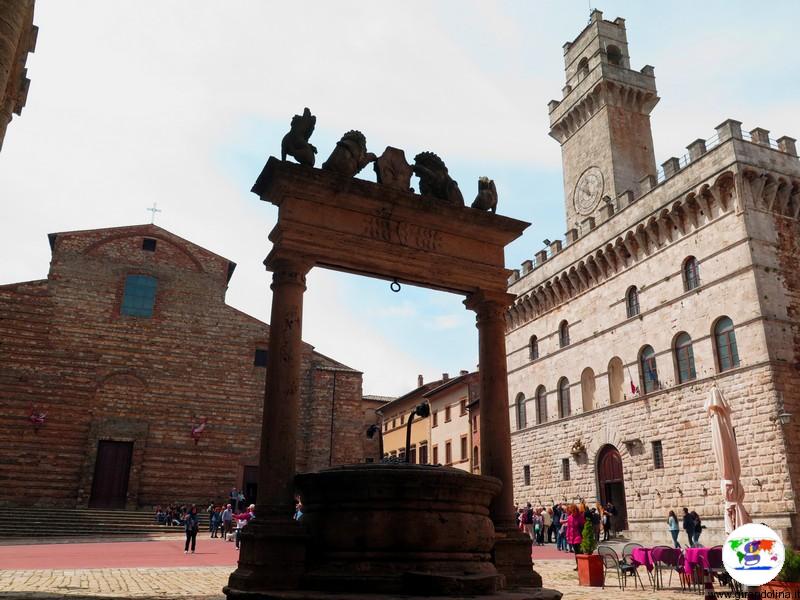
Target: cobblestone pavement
x,y
206,583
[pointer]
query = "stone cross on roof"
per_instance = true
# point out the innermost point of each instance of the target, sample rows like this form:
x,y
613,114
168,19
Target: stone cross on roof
x,y
153,210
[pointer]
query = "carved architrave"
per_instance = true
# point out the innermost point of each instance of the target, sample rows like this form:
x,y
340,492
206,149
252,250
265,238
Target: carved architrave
x,y
588,191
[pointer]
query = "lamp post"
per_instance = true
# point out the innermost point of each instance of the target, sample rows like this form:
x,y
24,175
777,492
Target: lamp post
x,y
423,410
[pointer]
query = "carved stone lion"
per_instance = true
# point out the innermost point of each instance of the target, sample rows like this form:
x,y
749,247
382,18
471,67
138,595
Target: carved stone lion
x,y
295,143
350,154
434,179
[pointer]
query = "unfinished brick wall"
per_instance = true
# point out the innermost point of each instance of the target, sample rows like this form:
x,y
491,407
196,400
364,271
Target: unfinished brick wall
x,y
65,348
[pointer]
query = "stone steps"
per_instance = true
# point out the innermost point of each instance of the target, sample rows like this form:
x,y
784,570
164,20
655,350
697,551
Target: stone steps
x,y
62,522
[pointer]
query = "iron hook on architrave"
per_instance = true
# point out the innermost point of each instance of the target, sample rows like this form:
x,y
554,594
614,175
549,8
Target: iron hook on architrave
x,y
395,286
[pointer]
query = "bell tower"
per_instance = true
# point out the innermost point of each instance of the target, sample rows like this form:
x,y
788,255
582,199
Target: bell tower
x,y
603,120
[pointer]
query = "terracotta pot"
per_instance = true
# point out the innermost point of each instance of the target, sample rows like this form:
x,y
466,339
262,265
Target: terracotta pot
x,y
590,570
783,586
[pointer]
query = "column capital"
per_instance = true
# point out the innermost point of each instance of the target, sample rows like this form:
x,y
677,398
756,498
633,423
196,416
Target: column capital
x,y
289,270
489,305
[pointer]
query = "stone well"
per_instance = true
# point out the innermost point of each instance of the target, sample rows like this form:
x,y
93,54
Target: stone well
x,y
399,529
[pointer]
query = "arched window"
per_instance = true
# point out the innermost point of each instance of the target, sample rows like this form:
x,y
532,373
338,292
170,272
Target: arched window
x,y
583,68
564,408
541,405
648,370
521,416
534,347
614,55
563,334
684,358
725,338
616,380
587,389
691,273
632,301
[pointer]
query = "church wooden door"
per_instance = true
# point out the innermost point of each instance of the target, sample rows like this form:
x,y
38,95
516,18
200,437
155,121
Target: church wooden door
x,y
611,482
111,471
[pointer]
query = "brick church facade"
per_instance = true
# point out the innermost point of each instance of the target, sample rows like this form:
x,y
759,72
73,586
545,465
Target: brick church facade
x,y
150,387
670,280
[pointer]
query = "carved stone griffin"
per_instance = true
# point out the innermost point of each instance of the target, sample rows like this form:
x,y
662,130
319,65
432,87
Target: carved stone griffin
x,y
434,179
295,143
487,195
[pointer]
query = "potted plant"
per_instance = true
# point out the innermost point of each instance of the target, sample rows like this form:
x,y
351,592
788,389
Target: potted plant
x,y
590,565
789,577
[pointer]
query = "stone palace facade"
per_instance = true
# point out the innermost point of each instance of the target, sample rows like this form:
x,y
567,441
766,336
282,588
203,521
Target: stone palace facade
x,y
670,280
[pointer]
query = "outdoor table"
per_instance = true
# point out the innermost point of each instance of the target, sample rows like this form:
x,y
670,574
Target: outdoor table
x,y
695,557
642,557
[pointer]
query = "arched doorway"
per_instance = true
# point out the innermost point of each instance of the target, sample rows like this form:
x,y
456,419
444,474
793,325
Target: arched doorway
x,y
611,484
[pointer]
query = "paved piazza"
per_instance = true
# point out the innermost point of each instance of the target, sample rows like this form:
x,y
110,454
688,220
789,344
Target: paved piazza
x,y
207,582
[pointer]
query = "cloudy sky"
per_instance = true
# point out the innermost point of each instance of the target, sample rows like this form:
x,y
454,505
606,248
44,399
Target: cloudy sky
x,y
181,103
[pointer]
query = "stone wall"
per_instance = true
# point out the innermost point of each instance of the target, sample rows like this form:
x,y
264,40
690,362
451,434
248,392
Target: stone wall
x,y
66,350
17,39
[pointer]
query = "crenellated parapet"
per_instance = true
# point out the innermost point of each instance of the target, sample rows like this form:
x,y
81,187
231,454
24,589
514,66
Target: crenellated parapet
x,y
702,204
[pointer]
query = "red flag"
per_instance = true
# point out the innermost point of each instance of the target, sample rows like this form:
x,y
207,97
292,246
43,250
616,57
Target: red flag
x,y
633,388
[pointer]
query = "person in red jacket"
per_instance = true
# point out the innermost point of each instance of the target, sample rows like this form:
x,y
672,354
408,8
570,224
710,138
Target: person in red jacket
x,y
575,522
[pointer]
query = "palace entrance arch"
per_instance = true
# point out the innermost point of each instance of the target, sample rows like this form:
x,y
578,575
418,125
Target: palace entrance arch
x,y
329,220
611,484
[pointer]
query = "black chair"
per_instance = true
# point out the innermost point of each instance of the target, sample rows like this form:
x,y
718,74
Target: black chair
x,y
666,558
623,570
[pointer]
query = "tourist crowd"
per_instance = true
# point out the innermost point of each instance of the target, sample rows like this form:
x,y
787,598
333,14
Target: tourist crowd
x,y
563,523
225,521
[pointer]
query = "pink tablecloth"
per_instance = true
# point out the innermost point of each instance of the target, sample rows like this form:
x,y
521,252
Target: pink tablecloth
x,y
695,557
642,556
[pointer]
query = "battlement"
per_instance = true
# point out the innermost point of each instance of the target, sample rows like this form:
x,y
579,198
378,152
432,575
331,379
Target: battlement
x,y
673,167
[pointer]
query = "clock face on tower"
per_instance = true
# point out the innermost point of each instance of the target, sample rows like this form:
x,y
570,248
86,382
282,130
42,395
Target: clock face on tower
x,y
588,191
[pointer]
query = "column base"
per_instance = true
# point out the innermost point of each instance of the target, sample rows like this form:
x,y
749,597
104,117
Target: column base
x,y
512,558
272,557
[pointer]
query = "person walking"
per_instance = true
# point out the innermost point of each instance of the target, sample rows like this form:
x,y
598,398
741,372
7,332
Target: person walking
x,y
698,528
538,527
216,521
594,515
575,521
688,526
556,524
191,523
612,521
672,523
562,529
227,521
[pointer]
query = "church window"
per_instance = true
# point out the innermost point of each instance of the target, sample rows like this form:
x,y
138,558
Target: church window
x,y
684,358
563,334
260,358
658,455
649,372
534,347
727,351
614,55
522,418
541,405
632,301
565,469
149,244
564,408
526,474
139,296
691,274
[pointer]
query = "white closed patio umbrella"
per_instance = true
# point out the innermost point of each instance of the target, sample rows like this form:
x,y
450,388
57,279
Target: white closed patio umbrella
x,y
727,454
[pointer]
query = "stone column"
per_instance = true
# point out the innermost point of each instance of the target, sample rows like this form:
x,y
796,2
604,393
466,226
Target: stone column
x,y
272,554
512,552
